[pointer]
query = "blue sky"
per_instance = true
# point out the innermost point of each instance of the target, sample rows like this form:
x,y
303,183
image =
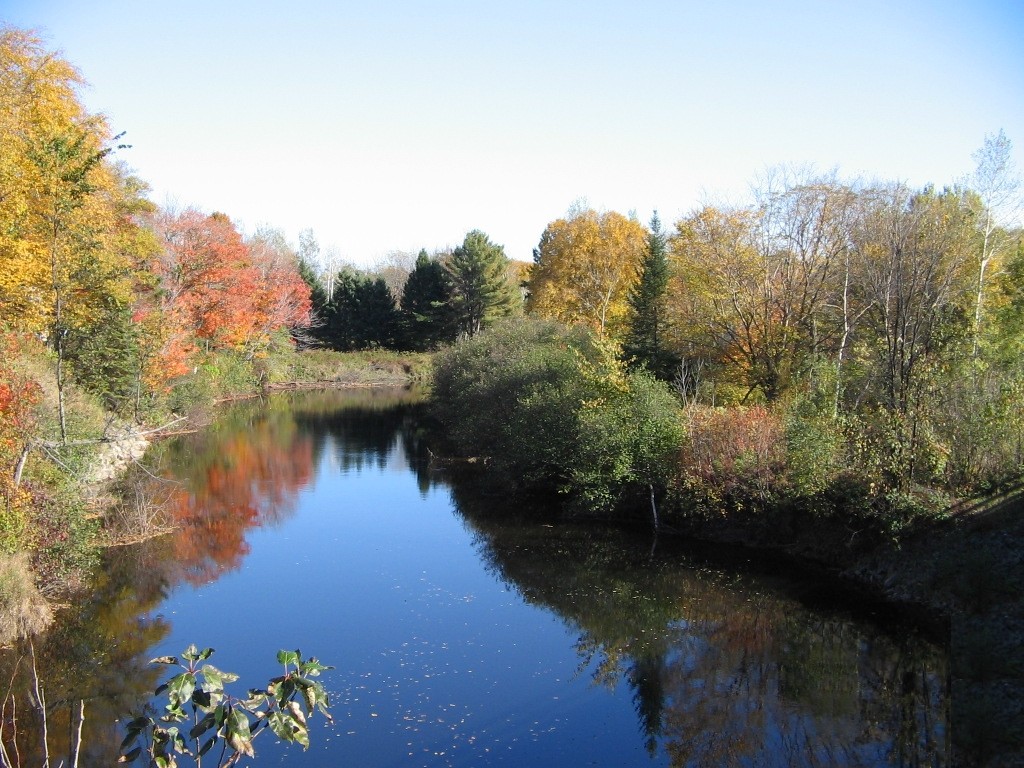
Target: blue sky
x,y
399,125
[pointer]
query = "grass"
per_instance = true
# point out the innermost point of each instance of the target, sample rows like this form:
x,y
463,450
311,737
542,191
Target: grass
x,y
328,368
23,611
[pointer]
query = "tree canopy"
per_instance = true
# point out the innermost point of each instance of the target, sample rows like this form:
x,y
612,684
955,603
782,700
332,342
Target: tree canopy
x,y
480,285
586,265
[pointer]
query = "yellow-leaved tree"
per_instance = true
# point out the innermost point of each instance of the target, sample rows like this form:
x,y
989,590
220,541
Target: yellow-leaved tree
x,y
585,266
64,208
37,100
757,290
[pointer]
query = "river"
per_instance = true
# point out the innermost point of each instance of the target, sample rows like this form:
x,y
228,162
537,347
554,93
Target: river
x,y
468,631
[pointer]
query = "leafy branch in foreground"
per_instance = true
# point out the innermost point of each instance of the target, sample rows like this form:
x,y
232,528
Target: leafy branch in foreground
x,y
197,694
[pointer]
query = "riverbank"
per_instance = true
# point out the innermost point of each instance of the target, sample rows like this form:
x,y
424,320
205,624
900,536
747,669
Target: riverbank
x,y
960,573
969,567
965,569
550,412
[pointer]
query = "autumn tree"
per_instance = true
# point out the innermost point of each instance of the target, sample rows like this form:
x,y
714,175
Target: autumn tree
x,y
715,288
206,269
996,185
914,251
233,294
69,241
38,105
283,300
645,343
585,267
480,287
754,286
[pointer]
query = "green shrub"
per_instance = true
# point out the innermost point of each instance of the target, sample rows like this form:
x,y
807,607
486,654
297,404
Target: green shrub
x,y
551,409
511,396
815,445
628,443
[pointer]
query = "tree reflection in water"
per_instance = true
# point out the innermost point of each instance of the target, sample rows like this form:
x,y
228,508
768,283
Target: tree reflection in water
x,y
726,667
242,473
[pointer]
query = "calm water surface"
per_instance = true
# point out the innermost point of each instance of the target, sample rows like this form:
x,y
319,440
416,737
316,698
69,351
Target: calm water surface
x,y
465,633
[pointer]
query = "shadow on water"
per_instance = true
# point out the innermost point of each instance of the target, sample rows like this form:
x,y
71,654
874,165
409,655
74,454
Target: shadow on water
x,y
728,662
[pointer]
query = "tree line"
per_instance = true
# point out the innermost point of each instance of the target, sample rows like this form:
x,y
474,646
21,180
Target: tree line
x,y
442,297
884,321
878,302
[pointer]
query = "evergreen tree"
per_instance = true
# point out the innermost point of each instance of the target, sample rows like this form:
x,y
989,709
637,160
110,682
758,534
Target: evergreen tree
x,y
426,306
645,340
376,318
481,289
105,359
362,313
340,332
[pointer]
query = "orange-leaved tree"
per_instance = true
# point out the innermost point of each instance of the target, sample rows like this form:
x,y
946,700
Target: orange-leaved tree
x,y
231,294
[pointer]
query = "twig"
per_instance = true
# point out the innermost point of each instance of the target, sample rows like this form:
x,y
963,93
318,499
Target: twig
x,y
14,723
41,701
78,734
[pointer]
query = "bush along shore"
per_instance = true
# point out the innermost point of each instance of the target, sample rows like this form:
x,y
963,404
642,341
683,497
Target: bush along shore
x,y
541,409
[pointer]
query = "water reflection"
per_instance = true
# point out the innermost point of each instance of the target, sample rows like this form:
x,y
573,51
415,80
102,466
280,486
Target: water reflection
x,y
724,664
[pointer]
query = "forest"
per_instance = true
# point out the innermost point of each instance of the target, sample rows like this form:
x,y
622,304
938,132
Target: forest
x,y
848,347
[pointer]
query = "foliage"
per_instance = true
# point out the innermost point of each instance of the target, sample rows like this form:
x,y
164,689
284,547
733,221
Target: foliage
x,y
753,285
815,436
427,317
550,409
62,539
317,292
481,290
628,444
586,265
228,293
361,313
646,338
732,458
510,396
106,358
197,696
38,108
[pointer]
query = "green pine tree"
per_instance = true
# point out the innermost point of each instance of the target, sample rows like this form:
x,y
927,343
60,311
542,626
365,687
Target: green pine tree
x,y
426,306
481,289
376,318
644,346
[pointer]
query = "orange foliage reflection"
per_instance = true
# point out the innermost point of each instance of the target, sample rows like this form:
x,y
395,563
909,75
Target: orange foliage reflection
x,y
240,481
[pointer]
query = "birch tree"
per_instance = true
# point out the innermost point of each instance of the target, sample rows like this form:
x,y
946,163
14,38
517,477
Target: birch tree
x,y
586,265
997,186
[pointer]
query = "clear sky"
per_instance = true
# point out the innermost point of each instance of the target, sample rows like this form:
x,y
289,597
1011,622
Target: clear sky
x,y
399,125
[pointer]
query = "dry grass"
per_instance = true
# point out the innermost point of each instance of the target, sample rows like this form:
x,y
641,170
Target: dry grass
x,y
23,610
140,513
